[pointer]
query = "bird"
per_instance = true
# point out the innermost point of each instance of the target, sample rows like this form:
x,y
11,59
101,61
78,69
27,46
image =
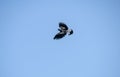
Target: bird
x,y
63,30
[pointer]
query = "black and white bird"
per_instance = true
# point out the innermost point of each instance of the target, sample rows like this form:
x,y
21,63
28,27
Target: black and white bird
x,y
63,31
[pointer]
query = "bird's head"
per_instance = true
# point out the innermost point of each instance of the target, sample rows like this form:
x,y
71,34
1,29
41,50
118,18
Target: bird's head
x,y
70,31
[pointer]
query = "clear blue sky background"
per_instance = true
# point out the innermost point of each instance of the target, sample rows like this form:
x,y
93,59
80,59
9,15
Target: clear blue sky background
x,y
27,48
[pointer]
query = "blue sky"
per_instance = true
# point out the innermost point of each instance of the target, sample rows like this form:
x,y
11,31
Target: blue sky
x,y
27,48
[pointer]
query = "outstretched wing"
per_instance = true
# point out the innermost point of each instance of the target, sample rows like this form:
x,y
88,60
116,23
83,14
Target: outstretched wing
x,y
59,35
63,26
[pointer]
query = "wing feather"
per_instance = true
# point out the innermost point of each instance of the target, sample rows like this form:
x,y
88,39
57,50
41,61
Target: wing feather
x,y
63,26
59,35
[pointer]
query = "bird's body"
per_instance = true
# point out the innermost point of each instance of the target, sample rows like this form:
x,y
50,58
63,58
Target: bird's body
x,y
63,31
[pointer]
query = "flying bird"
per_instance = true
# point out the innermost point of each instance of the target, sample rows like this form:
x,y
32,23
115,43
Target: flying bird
x,y
63,30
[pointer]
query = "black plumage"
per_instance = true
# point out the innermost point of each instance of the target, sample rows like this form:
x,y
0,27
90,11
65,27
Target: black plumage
x,y
63,31
63,26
